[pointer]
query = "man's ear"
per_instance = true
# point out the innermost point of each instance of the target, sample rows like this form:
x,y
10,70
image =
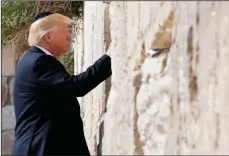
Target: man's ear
x,y
47,37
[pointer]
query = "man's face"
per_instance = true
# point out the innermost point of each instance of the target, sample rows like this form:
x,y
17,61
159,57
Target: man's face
x,y
60,38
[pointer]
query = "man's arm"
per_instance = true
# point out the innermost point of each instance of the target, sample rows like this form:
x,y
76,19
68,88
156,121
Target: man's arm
x,y
49,75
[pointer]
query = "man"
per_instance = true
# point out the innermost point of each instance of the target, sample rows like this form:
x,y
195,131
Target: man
x,y
47,112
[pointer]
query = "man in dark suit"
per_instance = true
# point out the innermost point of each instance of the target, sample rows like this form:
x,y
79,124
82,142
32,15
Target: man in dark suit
x,y
47,112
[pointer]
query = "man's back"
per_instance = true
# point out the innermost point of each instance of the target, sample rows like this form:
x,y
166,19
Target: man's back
x,y
48,116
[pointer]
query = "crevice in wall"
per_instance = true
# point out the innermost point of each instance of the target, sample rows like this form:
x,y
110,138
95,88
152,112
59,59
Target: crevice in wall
x,y
217,126
107,85
164,63
197,54
6,95
193,88
137,82
107,41
101,134
217,115
17,59
197,14
177,104
138,143
179,136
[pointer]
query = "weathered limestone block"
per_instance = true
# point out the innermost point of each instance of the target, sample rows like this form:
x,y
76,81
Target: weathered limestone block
x,y
9,60
92,105
7,90
8,118
8,125
118,123
7,142
175,102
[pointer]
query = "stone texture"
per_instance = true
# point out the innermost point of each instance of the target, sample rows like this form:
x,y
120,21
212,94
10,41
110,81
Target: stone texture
x,y
78,51
7,142
96,42
11,85
8,124
9,59
92,103
8,118
175,102
5,91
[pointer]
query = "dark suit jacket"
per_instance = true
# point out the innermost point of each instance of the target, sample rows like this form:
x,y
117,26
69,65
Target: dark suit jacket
x,y
47,112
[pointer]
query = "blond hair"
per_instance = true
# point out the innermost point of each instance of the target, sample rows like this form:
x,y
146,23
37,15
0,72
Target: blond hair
x,y
42,26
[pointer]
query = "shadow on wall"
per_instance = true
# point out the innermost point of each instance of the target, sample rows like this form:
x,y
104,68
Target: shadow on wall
x,y
107,41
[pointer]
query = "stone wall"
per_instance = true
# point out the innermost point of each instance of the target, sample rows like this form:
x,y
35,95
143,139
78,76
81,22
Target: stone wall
x,y
9,60
175,102
96,41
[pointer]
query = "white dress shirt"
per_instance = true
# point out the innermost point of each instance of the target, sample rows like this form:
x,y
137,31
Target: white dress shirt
x,y
44,50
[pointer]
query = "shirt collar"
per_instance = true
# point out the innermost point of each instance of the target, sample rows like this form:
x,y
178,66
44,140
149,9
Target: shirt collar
x,y
44,50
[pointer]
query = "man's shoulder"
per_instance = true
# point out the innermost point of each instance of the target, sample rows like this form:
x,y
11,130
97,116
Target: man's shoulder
x,y
28,61
32,56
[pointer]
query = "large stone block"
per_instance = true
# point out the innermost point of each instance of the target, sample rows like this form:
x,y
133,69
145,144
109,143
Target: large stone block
x,y
92,104
9,58
8,118
175,102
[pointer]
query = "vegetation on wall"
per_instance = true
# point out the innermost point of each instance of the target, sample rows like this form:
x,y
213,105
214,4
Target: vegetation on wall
x,y
68,61
18,15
